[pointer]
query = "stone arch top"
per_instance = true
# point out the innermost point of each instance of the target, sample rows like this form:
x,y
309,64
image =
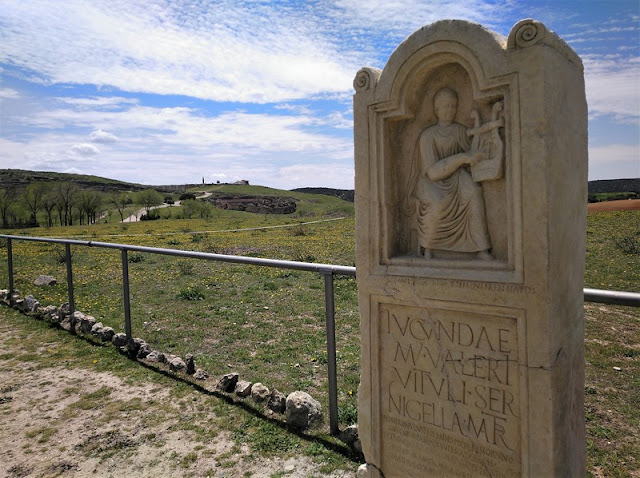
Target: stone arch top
x,y
483,49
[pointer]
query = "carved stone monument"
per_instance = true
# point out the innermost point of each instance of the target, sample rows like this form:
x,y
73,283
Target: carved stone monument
x,y
471,188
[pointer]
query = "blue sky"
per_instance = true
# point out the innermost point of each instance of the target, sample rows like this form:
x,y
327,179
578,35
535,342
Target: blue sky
x,y
166,92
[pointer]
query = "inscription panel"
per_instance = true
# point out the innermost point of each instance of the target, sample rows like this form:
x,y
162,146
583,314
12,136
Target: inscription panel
x,y
450,392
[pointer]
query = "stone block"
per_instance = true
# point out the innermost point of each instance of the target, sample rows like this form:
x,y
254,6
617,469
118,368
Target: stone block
x,y
303,411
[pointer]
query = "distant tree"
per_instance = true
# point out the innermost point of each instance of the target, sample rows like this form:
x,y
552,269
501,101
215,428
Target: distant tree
x,y
89,204
33,198
192,207
149,198
188,208
65,194
120,201
8,198
187,196
49,204
169,200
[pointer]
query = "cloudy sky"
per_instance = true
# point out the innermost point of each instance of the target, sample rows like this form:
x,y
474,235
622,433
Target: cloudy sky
x,y
166,92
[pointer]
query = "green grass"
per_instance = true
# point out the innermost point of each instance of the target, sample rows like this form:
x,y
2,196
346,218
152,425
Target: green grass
x,y
610,236
612,395
268,324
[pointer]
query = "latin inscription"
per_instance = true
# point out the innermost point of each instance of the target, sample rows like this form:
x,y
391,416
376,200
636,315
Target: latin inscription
x,y
471,285
450,379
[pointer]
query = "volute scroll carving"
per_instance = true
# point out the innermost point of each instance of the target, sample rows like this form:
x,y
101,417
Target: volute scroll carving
x,y
526,33
365,79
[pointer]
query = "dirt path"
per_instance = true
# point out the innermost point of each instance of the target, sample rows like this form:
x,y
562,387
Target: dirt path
x,y
622,205
69,421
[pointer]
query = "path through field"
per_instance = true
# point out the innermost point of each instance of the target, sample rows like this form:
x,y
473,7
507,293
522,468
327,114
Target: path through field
x,y
622,205
70,421
136,216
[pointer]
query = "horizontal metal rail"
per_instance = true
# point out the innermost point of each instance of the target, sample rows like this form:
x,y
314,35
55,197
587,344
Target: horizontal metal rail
x,y
614,297
590,295
256,261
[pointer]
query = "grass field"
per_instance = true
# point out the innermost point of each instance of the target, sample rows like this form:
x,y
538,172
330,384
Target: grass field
x,y
268,324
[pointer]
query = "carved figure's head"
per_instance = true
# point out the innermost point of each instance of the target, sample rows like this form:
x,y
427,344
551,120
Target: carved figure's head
x,y
445,105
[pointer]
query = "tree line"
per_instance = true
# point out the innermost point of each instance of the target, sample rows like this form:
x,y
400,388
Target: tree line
x,y
65,204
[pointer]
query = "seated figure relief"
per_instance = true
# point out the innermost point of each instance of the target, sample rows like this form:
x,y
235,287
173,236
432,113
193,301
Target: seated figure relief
x,y
445,191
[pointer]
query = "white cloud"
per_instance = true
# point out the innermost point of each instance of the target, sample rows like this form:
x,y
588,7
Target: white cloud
x,y
73,171
614,161
98,102
84,149
409,15
99,136
614,153
240,51
8,93
168,145
613,87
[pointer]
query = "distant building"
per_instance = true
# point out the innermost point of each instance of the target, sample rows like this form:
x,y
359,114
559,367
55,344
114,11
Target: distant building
x,y
242,182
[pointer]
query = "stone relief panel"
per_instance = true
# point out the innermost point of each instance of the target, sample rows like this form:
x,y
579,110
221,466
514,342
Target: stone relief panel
x,y
449,160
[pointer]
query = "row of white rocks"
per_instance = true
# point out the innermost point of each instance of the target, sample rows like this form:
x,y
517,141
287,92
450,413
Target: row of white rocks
x,y
301,410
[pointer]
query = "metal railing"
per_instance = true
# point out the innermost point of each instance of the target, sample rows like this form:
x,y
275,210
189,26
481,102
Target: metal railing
x,y
326,270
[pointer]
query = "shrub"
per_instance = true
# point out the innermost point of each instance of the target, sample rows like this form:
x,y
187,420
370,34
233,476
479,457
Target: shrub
x,y
191,293
150,216
187,196
628,244
348,414
135,257
198,237
185,267
299,230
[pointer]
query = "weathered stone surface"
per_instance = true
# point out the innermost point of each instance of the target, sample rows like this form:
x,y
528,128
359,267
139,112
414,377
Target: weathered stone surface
x,y
119,340
200,374
191,365
255,204
97,327
153,356
350,436
30,304
259,392
228,382
471,183
243,388
50,313
86,323
303,411
277,402
106,334
177,365
144,351
65,322
65,310
133,347
45,280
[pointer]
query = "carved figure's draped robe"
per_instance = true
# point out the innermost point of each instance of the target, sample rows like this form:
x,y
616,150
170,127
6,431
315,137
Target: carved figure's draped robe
x,y
451,213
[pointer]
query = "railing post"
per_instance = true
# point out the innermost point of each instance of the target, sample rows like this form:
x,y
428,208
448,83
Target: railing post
x,y
72,305
10,269
331,351
125,291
